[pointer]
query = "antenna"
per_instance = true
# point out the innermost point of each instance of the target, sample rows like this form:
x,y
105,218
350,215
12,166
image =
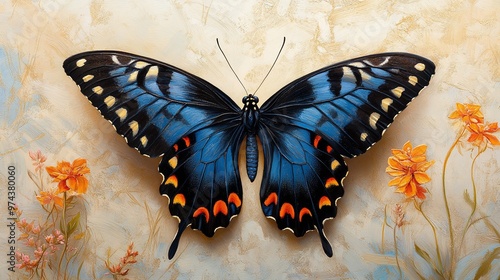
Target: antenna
x,y
217,39
272,66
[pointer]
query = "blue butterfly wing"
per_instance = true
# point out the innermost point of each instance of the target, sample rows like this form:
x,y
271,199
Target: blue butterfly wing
x,y
308,125
302,179
150,103
351,103
162,110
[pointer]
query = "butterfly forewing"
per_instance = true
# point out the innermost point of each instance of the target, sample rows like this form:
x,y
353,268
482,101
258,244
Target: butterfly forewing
x,y
351,103
150,103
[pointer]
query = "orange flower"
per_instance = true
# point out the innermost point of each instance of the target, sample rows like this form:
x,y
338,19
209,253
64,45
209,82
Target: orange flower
x,y
46,198
469,113
408,166
481,134
70,176
410,155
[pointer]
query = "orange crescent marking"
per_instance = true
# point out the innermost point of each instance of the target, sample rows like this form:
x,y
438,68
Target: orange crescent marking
x,y
329,149
303,212
176,147
324,201
287,208
202,211
172,180
187,141
180,199
316,141
272,198
234,199
331,182
220,207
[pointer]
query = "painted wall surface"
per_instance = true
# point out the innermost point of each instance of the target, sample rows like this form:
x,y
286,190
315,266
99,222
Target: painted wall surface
x,y
453,233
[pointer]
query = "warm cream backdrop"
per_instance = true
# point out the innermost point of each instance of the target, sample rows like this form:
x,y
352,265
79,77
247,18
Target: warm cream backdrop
x,y
42,109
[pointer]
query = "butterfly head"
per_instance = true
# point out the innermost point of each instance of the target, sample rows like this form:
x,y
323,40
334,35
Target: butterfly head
x,y
250,112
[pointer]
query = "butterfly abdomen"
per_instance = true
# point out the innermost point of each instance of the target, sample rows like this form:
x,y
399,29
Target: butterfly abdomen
x,y
252,156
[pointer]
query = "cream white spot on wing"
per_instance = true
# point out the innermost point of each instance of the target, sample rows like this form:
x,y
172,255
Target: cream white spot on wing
x,y
110,101
374,119
97,90
144,141
152,72
420,66
386,59
133,77
336,200
386,102
140,64
363,136
357,64
398,91
115,60
413,80
121,113
81,62
365,76
134,126
87,78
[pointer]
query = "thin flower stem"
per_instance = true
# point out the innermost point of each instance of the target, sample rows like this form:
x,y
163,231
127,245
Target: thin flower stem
x,y
41,181
396,252
65,232
448,212
474,200
438,251
383,230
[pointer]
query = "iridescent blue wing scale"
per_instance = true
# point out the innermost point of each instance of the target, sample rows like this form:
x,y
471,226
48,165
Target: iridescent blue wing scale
x,y
308,125
164,111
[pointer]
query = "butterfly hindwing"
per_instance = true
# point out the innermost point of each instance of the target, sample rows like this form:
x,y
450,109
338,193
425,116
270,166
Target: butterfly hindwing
x,y
202,180
342,109
302,179
350,104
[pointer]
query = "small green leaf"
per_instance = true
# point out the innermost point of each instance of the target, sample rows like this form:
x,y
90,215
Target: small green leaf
x,y
62,227
73,224
467,199
422,253
485,266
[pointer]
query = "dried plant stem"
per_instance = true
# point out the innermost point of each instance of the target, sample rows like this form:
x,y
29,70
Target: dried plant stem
x,y
383,230
65,232
468,224
448,212
438,251
396,252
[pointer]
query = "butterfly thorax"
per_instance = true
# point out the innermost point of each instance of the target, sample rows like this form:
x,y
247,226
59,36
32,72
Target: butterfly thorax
x,y
250,120
250,113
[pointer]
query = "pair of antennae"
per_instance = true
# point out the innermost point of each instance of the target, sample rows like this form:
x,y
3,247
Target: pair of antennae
x,y
272,66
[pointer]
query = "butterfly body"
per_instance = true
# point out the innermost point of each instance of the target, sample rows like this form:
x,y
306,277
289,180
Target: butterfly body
x,y
251,119
306,129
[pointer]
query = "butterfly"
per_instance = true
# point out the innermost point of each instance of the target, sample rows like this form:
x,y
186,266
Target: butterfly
x,y
306,129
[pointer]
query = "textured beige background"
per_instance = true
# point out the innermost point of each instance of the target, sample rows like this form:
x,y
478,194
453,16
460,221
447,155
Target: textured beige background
x,y
42,109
